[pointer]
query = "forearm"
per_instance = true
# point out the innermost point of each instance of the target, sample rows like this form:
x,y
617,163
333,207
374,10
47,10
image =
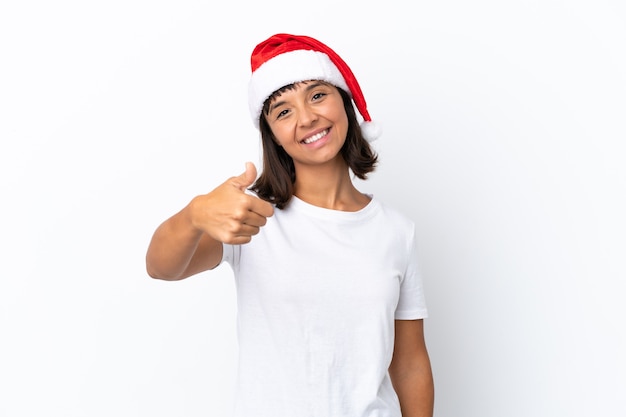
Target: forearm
x,y
415,389
410,370
173,250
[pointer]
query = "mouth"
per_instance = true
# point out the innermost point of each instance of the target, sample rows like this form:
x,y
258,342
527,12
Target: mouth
x,y
315,138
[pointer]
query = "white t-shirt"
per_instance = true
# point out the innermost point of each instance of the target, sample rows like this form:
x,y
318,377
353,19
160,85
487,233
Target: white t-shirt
x,y
318,291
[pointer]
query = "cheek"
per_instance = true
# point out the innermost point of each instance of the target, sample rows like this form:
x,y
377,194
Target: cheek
x,y
283,134
344,124
339,114
279,137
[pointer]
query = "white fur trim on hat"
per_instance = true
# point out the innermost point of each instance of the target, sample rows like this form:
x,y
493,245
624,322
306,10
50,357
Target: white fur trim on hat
x,y
289,68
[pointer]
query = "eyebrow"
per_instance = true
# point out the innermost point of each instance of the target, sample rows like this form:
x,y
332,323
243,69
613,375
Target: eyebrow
x,y
274,106
308,88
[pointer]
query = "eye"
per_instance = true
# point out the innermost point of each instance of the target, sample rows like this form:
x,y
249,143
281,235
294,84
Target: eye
x,y
282,113
318,96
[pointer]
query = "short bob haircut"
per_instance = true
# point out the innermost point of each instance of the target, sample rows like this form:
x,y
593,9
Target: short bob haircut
x,y
275,184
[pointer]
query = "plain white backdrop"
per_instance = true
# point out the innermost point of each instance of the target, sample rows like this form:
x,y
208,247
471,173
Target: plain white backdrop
x,y
504,140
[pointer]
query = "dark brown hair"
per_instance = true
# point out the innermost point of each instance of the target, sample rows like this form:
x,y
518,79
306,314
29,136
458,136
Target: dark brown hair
x,y
275,184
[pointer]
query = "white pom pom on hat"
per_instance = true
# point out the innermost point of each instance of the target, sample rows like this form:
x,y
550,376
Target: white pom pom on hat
x,y
285,59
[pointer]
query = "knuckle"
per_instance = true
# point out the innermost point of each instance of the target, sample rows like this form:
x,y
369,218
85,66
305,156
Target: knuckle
x,y
234,227
239,213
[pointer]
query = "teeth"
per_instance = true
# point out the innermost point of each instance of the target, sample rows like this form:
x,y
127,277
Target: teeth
x,y
315,138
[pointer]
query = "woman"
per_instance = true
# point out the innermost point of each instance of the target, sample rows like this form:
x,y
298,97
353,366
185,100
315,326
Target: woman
x,y
330,301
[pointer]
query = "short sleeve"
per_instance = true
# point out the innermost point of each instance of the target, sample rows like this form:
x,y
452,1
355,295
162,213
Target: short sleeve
x,y
230,255
412,302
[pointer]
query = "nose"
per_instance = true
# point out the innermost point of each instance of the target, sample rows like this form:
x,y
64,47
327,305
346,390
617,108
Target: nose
x,y
307,115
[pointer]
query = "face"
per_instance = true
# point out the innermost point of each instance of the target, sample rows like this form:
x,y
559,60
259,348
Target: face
x,y
310,123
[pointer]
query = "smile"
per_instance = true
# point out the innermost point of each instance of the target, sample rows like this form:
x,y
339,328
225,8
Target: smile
x,y
315,137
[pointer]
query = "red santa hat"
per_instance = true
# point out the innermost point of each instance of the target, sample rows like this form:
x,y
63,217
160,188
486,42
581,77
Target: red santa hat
x,y
285,59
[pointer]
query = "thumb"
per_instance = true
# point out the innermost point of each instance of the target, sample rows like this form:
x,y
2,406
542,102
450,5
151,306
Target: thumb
x,y
247,178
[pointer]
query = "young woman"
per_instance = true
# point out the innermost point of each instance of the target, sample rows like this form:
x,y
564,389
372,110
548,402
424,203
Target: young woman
x,y
330,300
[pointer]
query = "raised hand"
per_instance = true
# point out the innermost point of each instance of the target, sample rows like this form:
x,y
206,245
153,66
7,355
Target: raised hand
x,y
227,213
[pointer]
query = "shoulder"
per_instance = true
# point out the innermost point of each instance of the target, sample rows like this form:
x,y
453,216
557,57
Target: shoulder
x,y
395,225
394,215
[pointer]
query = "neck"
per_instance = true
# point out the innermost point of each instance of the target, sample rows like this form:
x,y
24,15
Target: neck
x,y
328,187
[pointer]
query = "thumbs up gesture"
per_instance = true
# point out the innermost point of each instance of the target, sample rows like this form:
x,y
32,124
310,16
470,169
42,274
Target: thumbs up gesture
x,y
228,214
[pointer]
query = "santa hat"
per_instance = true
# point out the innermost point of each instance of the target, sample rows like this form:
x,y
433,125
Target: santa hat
x,y
285,59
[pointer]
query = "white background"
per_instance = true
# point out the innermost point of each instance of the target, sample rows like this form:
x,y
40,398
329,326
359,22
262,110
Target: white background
x,y
504,140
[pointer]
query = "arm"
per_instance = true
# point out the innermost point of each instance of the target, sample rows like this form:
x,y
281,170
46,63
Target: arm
x,y
179,250
190,241
410,370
